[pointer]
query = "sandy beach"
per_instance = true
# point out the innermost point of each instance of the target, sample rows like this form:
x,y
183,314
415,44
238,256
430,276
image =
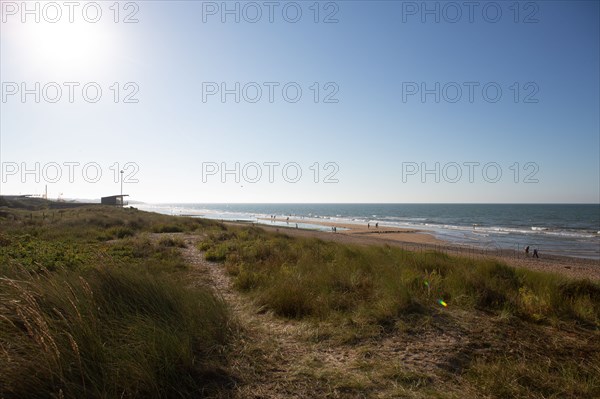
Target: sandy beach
x,y
412,239
360,230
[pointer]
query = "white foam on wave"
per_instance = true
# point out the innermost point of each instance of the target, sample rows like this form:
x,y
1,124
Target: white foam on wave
x,y
471,233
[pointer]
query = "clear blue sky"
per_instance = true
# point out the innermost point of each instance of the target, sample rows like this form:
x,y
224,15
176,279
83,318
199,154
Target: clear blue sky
x,y
373,55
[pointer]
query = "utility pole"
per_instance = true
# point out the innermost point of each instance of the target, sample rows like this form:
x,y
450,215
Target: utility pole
x,y
122,202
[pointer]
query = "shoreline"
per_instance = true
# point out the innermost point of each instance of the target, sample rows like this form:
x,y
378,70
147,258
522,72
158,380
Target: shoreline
x,y
392,233
495,235
419,240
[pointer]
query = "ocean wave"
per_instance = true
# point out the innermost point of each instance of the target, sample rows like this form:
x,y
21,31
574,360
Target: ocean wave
x,y
402,219
497,230
390,221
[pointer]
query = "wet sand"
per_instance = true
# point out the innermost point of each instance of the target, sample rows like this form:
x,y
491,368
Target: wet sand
x,y
417,240
359,230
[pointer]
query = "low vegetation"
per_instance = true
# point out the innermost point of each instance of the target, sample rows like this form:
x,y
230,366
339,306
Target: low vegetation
x,y
102,302
522,322
91,306
298,278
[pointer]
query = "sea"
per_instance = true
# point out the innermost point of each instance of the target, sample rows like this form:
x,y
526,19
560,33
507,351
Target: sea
x,y
557,229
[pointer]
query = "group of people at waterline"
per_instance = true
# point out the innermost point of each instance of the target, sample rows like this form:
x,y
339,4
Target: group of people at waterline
x,y
333,228
535,252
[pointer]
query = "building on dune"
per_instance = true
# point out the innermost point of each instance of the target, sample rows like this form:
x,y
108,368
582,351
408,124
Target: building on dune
x,y
116,200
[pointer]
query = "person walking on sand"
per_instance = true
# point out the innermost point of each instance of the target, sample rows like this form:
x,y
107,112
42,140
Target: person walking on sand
x,y
377,225
535,253
527,251
368,225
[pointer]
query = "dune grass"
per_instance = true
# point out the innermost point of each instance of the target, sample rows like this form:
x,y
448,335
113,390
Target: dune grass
x,y
299,278
95,223
94,304
358,296
91,306
109,333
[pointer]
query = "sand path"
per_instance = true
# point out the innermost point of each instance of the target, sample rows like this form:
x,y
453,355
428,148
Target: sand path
x,y
281,358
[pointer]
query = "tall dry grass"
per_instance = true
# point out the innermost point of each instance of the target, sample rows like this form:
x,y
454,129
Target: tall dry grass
x,y
81,317
300,278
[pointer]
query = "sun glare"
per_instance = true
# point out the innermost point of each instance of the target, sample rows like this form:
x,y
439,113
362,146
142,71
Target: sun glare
x,y
66,47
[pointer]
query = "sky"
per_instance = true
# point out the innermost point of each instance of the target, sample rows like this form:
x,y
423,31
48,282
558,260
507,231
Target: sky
x,y
331,101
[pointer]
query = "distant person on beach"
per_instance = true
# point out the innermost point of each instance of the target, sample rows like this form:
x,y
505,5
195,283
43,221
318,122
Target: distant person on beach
x,y
368,225
527,251
296,225
535,253
287,220
377,225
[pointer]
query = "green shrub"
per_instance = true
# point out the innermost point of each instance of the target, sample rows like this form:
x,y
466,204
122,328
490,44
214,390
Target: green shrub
x,y
120,232
167,228
217,253
172,242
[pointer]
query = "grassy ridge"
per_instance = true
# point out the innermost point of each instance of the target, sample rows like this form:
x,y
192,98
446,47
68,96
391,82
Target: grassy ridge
x,y
360,295
299,278
82,316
